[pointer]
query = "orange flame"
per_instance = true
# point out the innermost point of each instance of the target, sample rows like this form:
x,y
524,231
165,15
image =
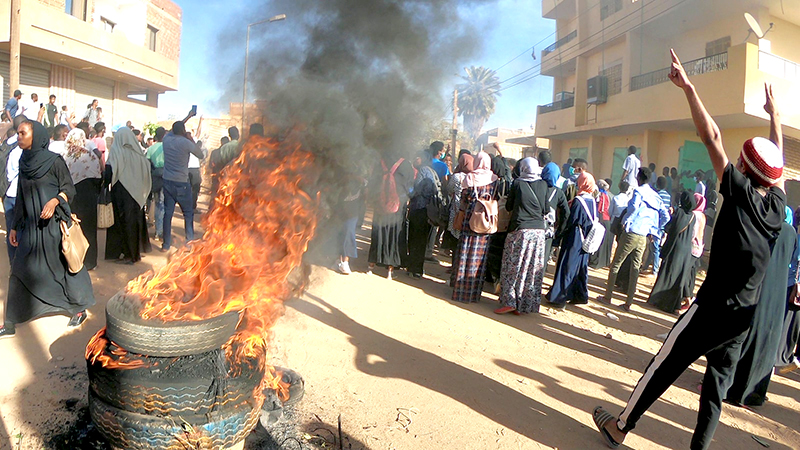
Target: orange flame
x,y
115,357
255,236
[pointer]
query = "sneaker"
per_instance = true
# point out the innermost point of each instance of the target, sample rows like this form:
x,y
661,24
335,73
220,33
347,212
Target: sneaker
x,y
344,267
77,319
6,331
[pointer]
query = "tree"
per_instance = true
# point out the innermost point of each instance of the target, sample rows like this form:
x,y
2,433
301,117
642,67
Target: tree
x,y
477,98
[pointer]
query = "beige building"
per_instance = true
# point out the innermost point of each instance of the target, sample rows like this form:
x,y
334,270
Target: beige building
x,y
121,52
610,64
513,143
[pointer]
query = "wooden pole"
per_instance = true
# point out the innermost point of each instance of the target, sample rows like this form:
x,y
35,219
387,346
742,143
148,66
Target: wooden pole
x,y
454,142
13,69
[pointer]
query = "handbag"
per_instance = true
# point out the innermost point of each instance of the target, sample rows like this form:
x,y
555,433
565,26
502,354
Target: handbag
x,y
484,215
73,244
594,238
105,210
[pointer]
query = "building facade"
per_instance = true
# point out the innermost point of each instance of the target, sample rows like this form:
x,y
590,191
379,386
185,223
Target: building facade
x,y
122,53
610,63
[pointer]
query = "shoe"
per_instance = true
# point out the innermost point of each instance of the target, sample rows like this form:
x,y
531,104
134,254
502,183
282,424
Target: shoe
x,y
578,302
624,307
78,319
602,299
497,287
125,261
504,310
788,368
344,267
163,250
6,331
556,306
415,276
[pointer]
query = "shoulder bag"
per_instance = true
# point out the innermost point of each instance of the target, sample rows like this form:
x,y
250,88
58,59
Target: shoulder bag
x,y
73,244
105,210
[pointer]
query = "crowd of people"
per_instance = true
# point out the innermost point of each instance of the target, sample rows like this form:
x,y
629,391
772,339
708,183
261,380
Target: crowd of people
x,y
56,169
500,221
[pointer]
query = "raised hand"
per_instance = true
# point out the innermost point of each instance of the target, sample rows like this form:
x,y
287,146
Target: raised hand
x,y
769,106
676,73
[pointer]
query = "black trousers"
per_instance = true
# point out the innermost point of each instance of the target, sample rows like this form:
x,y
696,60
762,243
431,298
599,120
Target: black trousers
x,y
714,330
195,180
418,233
791,334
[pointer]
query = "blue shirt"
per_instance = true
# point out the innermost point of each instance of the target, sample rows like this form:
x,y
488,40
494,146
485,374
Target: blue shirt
x,y
440,168
647,214
176,157
12,107
665,197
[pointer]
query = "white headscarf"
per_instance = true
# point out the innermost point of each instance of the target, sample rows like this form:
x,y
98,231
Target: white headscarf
x,y
529,170
481,174
129,165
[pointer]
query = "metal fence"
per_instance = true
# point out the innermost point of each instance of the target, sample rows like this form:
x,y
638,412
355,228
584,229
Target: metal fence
x,y
780,67
708,64
552,47
568,102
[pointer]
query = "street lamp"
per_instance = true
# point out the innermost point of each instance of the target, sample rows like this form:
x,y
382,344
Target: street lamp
x,y
247,56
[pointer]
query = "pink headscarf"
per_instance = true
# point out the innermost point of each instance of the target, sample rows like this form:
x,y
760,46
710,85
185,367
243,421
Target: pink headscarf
x,y
481,174
700,201
586,184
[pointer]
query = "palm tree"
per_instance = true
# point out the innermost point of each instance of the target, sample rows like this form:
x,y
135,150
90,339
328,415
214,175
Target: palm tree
x,y
477,98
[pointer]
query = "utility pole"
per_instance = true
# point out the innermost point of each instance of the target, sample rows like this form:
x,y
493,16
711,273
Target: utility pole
x,y
13,69
454,142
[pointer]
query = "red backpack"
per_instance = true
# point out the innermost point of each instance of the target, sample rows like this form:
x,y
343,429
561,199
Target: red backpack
x,y
390,202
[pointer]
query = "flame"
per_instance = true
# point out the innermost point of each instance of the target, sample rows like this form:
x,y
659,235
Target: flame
x,y
255,236
109,354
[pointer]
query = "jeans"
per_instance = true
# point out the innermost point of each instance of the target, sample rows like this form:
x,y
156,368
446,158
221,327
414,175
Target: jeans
x,y
180,193
629,243
654,258
8,208
158,199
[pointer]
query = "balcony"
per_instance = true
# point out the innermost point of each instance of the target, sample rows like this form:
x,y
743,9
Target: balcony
x,y
708,64
568,102
558,9
555,45
777,66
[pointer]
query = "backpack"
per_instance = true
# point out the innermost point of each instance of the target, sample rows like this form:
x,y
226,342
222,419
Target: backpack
x,y
437,209
594,238
390,201
550,217
484,215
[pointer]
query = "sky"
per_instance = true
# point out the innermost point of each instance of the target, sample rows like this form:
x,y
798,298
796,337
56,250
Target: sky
x,y
509,28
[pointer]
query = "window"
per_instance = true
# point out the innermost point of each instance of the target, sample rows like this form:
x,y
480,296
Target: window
x,y
614,76
152,33
138,94
107,25
76,8
609,7
719,46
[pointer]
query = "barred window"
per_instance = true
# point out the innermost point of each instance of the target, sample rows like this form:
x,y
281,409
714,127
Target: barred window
x,y
614,76
719,46
609,7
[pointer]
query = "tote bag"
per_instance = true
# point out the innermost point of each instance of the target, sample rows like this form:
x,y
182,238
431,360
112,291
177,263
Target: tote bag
x,y
105,210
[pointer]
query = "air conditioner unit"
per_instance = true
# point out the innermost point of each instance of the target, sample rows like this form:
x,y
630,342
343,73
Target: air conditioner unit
x,y
563,95
597,90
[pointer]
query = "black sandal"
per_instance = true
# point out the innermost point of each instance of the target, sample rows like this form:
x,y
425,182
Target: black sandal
x,y
77,319
601,418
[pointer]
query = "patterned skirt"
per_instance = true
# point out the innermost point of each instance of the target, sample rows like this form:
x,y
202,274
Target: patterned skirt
x,y
523,270
469,268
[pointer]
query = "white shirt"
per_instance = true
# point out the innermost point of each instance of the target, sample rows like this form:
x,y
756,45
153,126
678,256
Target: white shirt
x,y
632,165
58,147
12,169
700,188
618,203
30,109
194,162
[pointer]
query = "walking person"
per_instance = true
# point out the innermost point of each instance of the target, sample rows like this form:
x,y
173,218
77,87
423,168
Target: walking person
x,y
390,203
128,173
571,282
426,186
12,179
177,189
602,257
40,282
524,253
155,154
85,167
674,287
470,267
557,217
92,114
631,166
497,242
455,187
717,322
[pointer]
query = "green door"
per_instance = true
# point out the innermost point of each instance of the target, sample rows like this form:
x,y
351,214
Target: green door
x,y
620,153
580,152
693,157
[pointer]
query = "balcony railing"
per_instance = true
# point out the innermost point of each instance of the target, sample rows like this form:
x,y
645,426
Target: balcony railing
x,y
552,47
780,67
568,102
708,64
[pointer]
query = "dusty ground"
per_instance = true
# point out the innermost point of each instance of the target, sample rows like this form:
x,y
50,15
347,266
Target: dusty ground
x,y
406,368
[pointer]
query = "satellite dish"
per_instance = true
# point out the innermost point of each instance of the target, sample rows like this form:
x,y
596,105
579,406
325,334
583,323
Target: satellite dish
x,y
754,25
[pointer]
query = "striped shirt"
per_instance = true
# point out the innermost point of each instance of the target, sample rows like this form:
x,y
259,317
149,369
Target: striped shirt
x,y
665,197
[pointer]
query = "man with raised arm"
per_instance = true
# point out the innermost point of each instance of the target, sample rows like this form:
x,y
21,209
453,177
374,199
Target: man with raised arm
x,y
717,323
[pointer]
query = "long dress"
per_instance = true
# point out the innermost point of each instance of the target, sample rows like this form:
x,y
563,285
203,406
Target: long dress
x,y
85,207
676,278
602,257
497,243
40,283
128,236
760,348
469,268
388,238
572,270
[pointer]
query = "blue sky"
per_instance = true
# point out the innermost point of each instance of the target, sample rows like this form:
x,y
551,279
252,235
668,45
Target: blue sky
x,y
509,27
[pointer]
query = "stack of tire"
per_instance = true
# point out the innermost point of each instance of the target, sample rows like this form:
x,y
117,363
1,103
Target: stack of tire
x,y
184,394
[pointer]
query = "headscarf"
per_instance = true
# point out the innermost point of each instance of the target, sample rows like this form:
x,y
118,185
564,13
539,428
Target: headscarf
x,y
586,184
789,215
129,165
529,170
602,185
500,168
425,157
36,161
700,201
464,163
688,201
76,143
550,173
481,174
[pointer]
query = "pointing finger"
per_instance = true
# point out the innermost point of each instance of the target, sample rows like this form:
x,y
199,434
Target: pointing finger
x,y
674,56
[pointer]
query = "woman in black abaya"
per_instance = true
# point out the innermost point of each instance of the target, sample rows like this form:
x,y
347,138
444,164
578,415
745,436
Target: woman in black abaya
x,y
40,283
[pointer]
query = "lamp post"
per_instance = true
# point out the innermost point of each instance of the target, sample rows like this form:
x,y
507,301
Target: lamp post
x,y
247,56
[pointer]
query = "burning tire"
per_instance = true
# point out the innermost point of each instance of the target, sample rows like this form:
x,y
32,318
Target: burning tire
x,y
126,327
189,385
129,430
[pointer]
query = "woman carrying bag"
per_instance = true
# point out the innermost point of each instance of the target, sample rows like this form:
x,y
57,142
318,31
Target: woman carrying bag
x,y
40,282
85,167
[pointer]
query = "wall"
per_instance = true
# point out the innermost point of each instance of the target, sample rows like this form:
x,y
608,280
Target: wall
x,y
167,18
